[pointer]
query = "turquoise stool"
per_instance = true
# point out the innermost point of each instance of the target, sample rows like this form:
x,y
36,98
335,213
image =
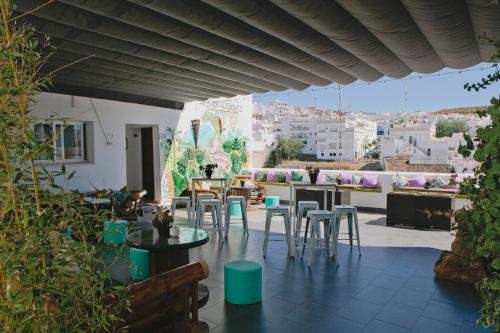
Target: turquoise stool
x,y
272,201
139,264
235,209
243,282
115,232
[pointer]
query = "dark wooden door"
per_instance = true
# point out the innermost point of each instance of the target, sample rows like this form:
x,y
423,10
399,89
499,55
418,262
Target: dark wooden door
x,y
148,182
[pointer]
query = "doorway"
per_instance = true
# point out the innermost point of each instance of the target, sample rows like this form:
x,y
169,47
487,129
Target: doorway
x,y
143,160
147,160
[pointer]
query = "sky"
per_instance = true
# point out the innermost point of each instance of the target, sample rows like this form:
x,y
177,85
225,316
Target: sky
x,y
441,90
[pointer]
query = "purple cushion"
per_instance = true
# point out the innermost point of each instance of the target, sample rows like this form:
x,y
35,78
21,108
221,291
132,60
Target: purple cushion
x,y
370,181
321,177
271,176
417,181
288,176
345,178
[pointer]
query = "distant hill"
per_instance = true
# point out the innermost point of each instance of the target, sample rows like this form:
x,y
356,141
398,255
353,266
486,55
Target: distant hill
x,y
469,109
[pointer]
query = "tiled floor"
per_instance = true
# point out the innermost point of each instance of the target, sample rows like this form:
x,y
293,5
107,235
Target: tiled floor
x,y
390,288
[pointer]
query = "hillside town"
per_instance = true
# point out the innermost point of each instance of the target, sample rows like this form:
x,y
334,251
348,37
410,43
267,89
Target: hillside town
x,y
391,138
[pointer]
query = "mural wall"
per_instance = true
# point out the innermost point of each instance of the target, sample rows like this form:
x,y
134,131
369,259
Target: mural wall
x,y
214,131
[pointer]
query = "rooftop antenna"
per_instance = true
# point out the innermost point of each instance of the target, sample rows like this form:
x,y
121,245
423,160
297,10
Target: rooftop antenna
x,y
340,126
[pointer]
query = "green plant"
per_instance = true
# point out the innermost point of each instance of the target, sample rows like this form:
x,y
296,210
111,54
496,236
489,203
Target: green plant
x,y
48,283
286,149
445,127
480,225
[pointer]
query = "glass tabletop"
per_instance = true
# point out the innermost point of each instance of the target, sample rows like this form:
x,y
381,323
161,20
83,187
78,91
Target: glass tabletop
x,y
150,238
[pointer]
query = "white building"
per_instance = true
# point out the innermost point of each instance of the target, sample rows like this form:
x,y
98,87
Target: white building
x,y
418,143
344,139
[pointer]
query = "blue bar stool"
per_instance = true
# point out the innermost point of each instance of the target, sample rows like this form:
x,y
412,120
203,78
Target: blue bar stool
x,y
115,232
139,264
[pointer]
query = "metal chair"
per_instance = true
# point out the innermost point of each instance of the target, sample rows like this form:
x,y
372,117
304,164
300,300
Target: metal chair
x,y
285,213
243,203
186,201
215,208
352,214
314,218
303,207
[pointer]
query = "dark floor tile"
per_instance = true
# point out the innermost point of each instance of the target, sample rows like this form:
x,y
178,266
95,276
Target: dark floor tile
x,y
400,314
389,282
286,326
375,295
449,313
428,325
359,311
427,284
457,293
473,327
418,299
240,326
335,324
377,326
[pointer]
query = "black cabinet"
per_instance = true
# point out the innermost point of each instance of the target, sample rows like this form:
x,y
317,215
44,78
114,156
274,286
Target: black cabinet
x,y
409,209
341,197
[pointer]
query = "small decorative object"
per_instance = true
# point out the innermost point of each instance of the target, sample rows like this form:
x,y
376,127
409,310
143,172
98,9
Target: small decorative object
x,y
313,174
338,179
427,184
163,222
209,168
174,231
195,126
221,127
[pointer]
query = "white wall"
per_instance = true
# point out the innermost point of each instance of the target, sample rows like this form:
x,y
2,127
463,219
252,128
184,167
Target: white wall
x,y
109,168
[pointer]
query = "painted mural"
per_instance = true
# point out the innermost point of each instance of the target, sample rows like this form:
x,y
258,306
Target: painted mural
x,y
214,136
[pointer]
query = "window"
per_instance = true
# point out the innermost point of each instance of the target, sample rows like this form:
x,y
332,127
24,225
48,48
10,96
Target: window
x,y
67,141
334,154
322,154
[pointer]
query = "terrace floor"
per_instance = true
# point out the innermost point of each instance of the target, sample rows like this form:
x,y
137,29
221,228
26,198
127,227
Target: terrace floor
x,y
390,288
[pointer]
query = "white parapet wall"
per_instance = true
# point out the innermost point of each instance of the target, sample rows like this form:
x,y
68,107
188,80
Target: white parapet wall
x,y
376,200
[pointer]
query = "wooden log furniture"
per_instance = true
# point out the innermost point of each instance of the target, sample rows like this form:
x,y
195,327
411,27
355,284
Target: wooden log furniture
x,y
167,302
253,194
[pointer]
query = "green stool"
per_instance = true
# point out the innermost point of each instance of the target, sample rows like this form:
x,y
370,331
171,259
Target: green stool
x,y
139,264
235,209
243,282
115,232
272,201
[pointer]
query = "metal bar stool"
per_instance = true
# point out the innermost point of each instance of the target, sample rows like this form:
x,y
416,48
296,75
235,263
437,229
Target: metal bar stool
x,y
199,212
243,203
215,208
285,213
303,207
314,218
186,201
352,214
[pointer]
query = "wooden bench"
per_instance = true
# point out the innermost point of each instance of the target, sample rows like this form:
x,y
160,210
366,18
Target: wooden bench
x,y
167,302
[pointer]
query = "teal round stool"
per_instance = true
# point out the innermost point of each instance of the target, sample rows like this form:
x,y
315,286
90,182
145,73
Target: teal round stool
x,y
139,264
235,209
243,282
115,232
272,201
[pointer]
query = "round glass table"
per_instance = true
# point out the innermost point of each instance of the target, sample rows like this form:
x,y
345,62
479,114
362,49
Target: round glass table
x,y
167,253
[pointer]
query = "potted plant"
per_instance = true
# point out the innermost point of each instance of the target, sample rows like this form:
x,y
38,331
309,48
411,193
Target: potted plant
x,y
163,221
313,174
209,168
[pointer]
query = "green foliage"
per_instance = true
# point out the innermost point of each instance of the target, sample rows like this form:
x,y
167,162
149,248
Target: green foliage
x,y
445,127
286,149
48,283
480,224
